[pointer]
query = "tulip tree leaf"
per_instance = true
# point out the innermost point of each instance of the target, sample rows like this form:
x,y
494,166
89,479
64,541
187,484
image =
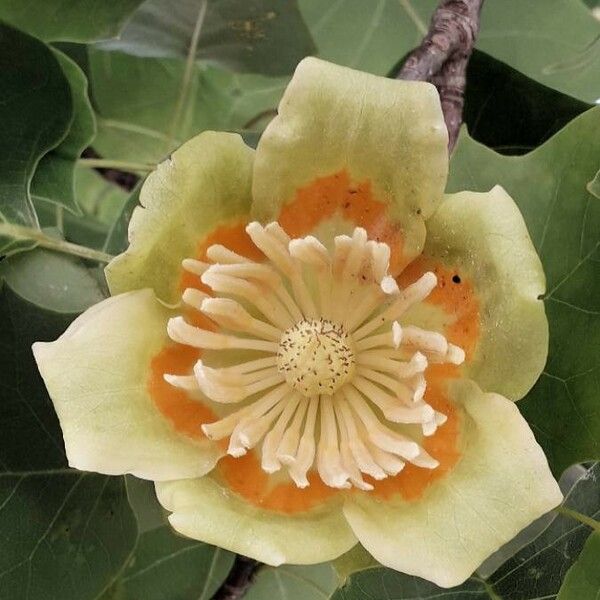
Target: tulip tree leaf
x,y
136,97
35,113
535,572
54,178
68,20
593,187
51,281
289,582
117,239
583,578
499,101
165,566
555,42
563,218
258,36
65,534
142,498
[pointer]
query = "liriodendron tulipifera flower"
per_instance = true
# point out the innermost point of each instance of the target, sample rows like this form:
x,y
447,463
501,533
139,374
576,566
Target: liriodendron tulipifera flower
x,y
310,345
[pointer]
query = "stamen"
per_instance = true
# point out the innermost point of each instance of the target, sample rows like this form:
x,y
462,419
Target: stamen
x,y
232,315
183,333
254,293
414,293
336,353
329,460
194,266
306,448
222,255
236,389
194,298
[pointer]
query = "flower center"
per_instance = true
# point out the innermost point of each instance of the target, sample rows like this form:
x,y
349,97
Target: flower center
x,y
316,357
329,379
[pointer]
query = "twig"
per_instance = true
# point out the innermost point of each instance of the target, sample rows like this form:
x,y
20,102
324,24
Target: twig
x,y
18,232
443,56
239,580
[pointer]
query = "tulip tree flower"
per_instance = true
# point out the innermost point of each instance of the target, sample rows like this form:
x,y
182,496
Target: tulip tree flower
x,y
309,345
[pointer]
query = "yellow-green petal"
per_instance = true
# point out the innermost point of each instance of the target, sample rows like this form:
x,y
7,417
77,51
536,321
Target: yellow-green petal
x,y
205,183
97,376
388,133
204,510
501,484
483,238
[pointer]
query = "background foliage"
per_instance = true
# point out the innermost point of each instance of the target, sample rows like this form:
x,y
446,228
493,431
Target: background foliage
x,y
76,100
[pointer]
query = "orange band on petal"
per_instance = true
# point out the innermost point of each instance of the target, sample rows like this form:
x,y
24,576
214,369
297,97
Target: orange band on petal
x,y
184,413
245,477
337,194
187,414
455,295
443,445
232,236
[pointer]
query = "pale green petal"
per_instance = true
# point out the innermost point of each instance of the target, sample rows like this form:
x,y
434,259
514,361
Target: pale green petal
x,y
385,131
204,510
96,374
501,484
204,184
482,236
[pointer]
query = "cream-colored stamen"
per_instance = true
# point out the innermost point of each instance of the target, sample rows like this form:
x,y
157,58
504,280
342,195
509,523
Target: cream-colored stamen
x,y
332,380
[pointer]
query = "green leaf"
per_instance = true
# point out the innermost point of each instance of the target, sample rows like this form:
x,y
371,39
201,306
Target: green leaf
x,y
258,36
68,20
117,240
142,498
556,42
54,178
101,203
65,534
136,100
534,573
563,218
82,533
52,281
35,114
509,112
582,581
98,197
593,187
84,230
167,567
289,582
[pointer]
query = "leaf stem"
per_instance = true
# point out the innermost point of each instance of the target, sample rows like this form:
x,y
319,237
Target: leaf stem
x,y
19,232
60,218
120,165
187,75
569,512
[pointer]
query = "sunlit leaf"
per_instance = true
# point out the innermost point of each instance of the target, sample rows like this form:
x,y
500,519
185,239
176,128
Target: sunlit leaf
x,y
54,178
289,582
68,20
563,218
555,42
51,281
165,566
65,534
258,36
35,114
136,100
583,578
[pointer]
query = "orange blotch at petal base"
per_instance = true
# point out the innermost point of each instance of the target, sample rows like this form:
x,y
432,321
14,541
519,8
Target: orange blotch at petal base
x,y
354,202
244,476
